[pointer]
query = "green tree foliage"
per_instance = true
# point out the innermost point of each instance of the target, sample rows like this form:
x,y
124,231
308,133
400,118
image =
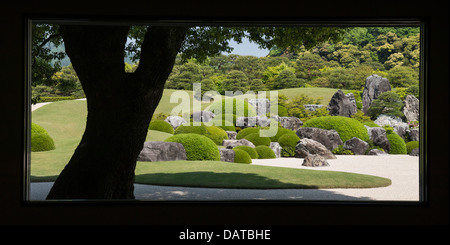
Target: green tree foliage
x,y
236,81
388,103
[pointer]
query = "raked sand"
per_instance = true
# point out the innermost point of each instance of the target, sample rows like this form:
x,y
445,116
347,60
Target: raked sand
x,y
403,170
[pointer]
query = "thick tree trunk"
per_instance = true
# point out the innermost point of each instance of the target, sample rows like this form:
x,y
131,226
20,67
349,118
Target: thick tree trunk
x,y
120,107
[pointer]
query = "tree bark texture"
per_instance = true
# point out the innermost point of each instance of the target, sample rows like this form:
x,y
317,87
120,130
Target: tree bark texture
x,y
120,106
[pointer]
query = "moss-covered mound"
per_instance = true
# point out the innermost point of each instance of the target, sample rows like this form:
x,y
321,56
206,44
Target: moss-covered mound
x,y
241,156
264,152
161,125
198,147
250,150
347,128
40,139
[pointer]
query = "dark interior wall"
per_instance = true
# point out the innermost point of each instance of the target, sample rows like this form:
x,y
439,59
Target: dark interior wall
x,y
12,49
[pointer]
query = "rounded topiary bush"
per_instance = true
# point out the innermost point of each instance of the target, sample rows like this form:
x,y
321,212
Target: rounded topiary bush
x,y
346,127
411,146
256,139
241,156
281,132
288,143
250,150
264,152
197,147
216,134
398,145
246,131
40,139
161,125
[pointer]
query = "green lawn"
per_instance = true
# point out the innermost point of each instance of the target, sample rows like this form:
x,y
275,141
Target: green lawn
x,y
235,175
65,122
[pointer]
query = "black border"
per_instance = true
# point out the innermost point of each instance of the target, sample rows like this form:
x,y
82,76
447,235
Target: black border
x,y
221,22
435,211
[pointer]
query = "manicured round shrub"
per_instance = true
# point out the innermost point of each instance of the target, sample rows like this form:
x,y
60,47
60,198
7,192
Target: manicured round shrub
x,y
288,143
161,125
264,152
241,156
281,132
398,145
40,139
346,127
246,131
250,150
411,146
256,139
198,147
216,134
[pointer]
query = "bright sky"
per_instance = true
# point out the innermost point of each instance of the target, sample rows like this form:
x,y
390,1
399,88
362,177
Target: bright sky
x,y
247,48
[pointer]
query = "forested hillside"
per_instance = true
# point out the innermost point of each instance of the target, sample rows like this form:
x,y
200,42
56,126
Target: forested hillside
x,y
387,51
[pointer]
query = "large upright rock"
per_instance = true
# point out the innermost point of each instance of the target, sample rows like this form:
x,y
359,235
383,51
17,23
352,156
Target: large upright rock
x,y
329,138
158,151
411,108
309,146
375,85
342,105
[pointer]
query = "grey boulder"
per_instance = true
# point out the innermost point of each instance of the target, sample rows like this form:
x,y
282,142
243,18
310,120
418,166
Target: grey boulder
x,y
356,145
313,160
329,138
226,155
158,151
308,146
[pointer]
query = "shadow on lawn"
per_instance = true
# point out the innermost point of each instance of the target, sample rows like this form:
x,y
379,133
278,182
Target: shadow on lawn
x,y
217,180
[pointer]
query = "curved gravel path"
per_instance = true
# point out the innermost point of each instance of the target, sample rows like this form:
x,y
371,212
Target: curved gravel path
x,y
403,170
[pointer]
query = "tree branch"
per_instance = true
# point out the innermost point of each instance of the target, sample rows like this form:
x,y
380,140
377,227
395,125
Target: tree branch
x,y
158,53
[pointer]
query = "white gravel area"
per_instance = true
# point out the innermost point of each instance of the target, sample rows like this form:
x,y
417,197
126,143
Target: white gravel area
x,y
403,170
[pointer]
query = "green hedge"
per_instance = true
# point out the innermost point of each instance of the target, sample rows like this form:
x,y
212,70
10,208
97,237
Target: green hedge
x,y
40,139
58,98
241,156
246,131
250,150
281,132
161,125
347,128
411,146
288,142
398,145
256,139
198,147
190,129
216,134
264,152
